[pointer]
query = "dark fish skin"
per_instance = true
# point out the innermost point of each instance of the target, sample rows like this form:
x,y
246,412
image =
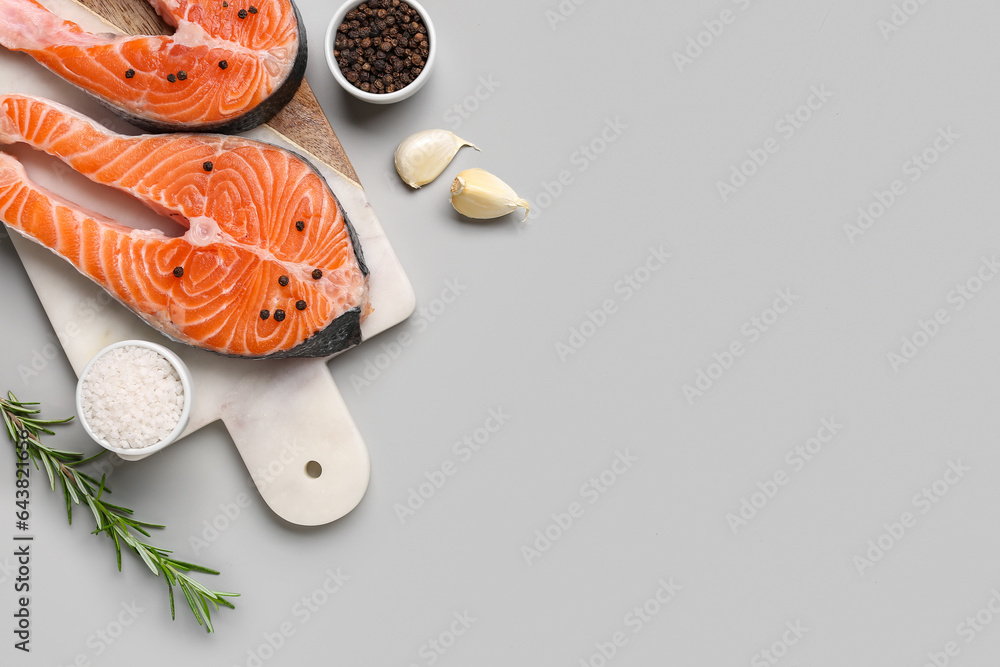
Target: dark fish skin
x,y
258,115
345,331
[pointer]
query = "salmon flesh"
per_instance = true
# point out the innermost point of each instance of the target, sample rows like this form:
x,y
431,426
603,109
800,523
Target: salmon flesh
x,y
269,266
229,66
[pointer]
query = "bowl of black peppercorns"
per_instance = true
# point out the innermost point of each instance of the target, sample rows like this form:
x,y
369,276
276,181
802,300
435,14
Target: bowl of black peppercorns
x,y
381,51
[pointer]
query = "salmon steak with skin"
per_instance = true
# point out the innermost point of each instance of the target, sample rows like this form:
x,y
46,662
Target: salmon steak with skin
x,y
268,267
229,66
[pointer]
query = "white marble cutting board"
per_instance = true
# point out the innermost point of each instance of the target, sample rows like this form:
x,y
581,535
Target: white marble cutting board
x,y
281,414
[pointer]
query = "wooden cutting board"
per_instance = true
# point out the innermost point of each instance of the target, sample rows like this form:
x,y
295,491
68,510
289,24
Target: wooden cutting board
x,y
283,415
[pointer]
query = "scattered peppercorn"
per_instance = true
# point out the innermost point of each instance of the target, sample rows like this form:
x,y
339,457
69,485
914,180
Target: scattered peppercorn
x,y
179,271
226,4
381,46
129,73
171,78
253,10
264,314
207,166
182,75
279,315
223,64
300,225
243,14
283,281
300,304
317,274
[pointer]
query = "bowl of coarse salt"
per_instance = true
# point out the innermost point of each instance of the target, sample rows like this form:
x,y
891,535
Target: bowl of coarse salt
x,y
134,398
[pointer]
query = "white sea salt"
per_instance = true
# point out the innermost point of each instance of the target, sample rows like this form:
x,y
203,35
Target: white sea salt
x,y
132,397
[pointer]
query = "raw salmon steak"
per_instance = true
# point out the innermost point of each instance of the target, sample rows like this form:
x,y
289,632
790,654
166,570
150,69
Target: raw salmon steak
x,y
229,66
269,266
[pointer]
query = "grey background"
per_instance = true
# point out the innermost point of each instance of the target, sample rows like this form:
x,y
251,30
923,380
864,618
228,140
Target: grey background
x,y
526,286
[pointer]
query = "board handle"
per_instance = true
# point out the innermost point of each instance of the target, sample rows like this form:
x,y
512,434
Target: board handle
x,y
298,440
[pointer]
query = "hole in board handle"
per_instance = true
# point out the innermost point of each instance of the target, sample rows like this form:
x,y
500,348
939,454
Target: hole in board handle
x,y
314,469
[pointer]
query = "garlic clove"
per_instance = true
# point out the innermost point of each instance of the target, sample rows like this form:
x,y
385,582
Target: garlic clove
x,y
476,193
422,156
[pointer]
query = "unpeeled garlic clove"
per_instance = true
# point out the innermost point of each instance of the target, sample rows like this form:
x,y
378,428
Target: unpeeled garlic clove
x,y
479,194
422,156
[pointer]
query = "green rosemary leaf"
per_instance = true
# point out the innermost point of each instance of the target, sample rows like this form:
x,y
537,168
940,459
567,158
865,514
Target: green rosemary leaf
x,y
93,508
90,480
191,567
69,507
48,471
190,600
118,550
92,458
170,593
68,485
115,521
116,508
11,431
51,421
208,615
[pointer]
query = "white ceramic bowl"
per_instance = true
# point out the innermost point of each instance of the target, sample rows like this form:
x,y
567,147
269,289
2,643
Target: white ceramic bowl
x,y
379,98
134,454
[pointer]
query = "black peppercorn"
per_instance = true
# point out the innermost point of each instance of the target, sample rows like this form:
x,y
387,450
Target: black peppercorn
x,y
381,46
253,10
264,314
171,78
283,281
317,274
223,64
243,14
300,225
300,304
129,73
279,315
182,75
179,271
207,166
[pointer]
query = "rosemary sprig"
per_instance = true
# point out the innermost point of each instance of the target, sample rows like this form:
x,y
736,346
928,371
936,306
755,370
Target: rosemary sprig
x,y
113,520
